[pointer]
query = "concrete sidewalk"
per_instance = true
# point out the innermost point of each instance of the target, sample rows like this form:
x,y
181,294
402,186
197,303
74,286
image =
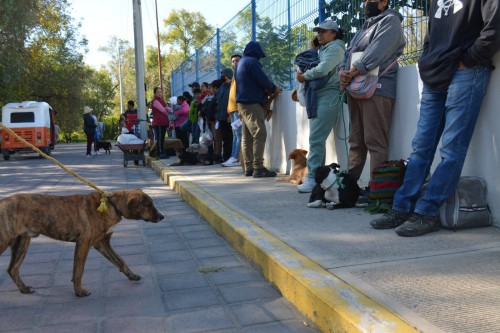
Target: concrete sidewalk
x,y
337,270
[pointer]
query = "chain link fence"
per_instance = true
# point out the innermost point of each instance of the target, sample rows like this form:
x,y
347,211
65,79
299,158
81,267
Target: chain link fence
x,y
284,29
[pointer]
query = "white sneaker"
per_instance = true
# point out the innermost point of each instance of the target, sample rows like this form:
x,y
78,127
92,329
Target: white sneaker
x,y
229,161
232,163
307,186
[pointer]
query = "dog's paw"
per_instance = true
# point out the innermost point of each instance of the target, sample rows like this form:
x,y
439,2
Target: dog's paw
x,y
330,205
82,292
316,204
133,277
27,290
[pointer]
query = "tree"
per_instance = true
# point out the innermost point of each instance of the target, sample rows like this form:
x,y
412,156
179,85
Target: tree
x,y
186,31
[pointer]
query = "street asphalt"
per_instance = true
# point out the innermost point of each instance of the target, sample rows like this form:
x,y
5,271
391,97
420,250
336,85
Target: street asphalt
x,y
192,279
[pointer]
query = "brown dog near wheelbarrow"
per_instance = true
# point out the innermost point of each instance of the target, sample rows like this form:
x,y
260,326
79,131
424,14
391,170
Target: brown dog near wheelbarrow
x,y
72,218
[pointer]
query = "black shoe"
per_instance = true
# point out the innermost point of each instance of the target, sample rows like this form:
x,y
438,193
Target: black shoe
x,y
263,172
362,202
418,225
248,173
389,220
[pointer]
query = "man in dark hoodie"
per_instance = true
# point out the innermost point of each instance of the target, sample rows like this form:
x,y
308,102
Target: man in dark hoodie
x,y
455,66
252,89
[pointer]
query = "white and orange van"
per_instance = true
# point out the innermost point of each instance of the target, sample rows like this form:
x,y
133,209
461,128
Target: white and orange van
x,y
33,121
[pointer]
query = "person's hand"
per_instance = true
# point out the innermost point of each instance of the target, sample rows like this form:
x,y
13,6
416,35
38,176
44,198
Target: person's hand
x,y
278,90
300,77
345,78
461,65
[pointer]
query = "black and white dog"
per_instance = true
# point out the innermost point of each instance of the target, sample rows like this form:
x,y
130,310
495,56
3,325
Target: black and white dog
x,y
333,189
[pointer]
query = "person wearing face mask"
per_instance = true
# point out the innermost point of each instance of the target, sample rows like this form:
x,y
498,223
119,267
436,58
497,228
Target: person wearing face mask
x,y
380,42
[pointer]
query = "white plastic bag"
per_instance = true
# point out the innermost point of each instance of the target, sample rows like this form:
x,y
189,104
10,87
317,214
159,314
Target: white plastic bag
x,y
301,94
206,137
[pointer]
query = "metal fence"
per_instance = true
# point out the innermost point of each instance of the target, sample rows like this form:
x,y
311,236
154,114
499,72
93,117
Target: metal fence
x,y
284,29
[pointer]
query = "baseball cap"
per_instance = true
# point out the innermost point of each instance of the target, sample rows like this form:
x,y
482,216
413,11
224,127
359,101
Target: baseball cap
x,y
327,25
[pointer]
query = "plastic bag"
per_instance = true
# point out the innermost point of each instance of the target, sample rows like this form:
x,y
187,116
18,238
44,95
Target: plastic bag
x,y
206,137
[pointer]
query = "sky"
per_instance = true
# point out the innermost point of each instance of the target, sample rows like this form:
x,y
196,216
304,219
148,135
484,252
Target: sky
x,y
102,19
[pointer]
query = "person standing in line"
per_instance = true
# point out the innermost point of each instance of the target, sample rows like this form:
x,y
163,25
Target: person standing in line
x,y
223,127
89,127
181,115
380,42
455,67
328,99
252,88
160,111
232,109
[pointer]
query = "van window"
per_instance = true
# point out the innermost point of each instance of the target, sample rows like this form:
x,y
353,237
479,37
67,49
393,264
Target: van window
x,y
22,117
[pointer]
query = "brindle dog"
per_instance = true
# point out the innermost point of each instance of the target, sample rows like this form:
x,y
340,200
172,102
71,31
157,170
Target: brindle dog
x,y
72,218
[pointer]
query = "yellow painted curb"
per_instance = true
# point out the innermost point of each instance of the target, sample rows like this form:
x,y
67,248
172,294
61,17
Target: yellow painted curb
x,y
329,302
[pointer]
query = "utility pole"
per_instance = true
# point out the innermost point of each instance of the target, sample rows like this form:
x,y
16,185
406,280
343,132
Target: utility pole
x,y
120,76
159,52
139,67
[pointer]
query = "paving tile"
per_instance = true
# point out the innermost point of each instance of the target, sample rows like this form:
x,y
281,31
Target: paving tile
x,y
135,324
236,275
182,281
281,327
191,298
264,311
214,251
80,310
140,305
200,320
250,291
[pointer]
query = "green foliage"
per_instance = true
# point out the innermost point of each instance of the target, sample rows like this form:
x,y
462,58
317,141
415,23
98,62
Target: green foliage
x,y
186,31
375,207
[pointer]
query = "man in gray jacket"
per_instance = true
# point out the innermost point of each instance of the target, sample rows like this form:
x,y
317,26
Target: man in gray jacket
x,y
381,41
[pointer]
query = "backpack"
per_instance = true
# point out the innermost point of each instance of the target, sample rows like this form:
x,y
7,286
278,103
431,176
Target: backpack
x,y
467,206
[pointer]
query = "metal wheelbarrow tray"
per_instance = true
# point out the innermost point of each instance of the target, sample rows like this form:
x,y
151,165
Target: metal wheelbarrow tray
x,y
133,152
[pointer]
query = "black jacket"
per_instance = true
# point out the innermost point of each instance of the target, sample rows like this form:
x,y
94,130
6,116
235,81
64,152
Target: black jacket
x,y
89,125
467,31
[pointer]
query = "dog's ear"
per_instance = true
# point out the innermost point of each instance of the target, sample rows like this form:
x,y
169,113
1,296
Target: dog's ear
x,y
291,156
304,152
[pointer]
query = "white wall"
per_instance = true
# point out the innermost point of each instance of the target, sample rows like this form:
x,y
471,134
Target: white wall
x,y
289,129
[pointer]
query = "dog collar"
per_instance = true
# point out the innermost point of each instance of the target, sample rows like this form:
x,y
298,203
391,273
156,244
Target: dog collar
x,y
330,180
114,207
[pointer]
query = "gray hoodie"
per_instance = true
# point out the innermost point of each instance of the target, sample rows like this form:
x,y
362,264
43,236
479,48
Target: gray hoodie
x,y
381,40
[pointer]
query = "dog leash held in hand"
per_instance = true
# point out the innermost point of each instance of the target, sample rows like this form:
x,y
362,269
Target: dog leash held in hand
x,y
103,208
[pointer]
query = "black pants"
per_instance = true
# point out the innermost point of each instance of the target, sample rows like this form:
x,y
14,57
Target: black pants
x,y
183,136
227,139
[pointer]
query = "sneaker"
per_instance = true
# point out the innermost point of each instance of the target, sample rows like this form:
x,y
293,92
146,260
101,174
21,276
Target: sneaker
x,y
418,225
263,172
232,163
307,186
249,173
230,160
88,155
362,202
389,220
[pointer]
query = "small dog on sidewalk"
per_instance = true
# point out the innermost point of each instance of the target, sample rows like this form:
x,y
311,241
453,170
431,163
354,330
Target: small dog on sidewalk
x,y
333,189
103,145
299,170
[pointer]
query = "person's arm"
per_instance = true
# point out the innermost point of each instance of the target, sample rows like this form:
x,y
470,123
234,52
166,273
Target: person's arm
x,y
331,56
382,47
488,43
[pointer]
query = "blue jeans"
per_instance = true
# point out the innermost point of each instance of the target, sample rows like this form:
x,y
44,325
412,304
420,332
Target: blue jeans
x,y
236,136
160,132
449,114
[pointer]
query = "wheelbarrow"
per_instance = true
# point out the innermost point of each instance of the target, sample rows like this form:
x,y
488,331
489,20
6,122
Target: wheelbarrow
x,y
133,152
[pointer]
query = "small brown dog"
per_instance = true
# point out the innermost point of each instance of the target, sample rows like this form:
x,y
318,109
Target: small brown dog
x,y
72,218
299,169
